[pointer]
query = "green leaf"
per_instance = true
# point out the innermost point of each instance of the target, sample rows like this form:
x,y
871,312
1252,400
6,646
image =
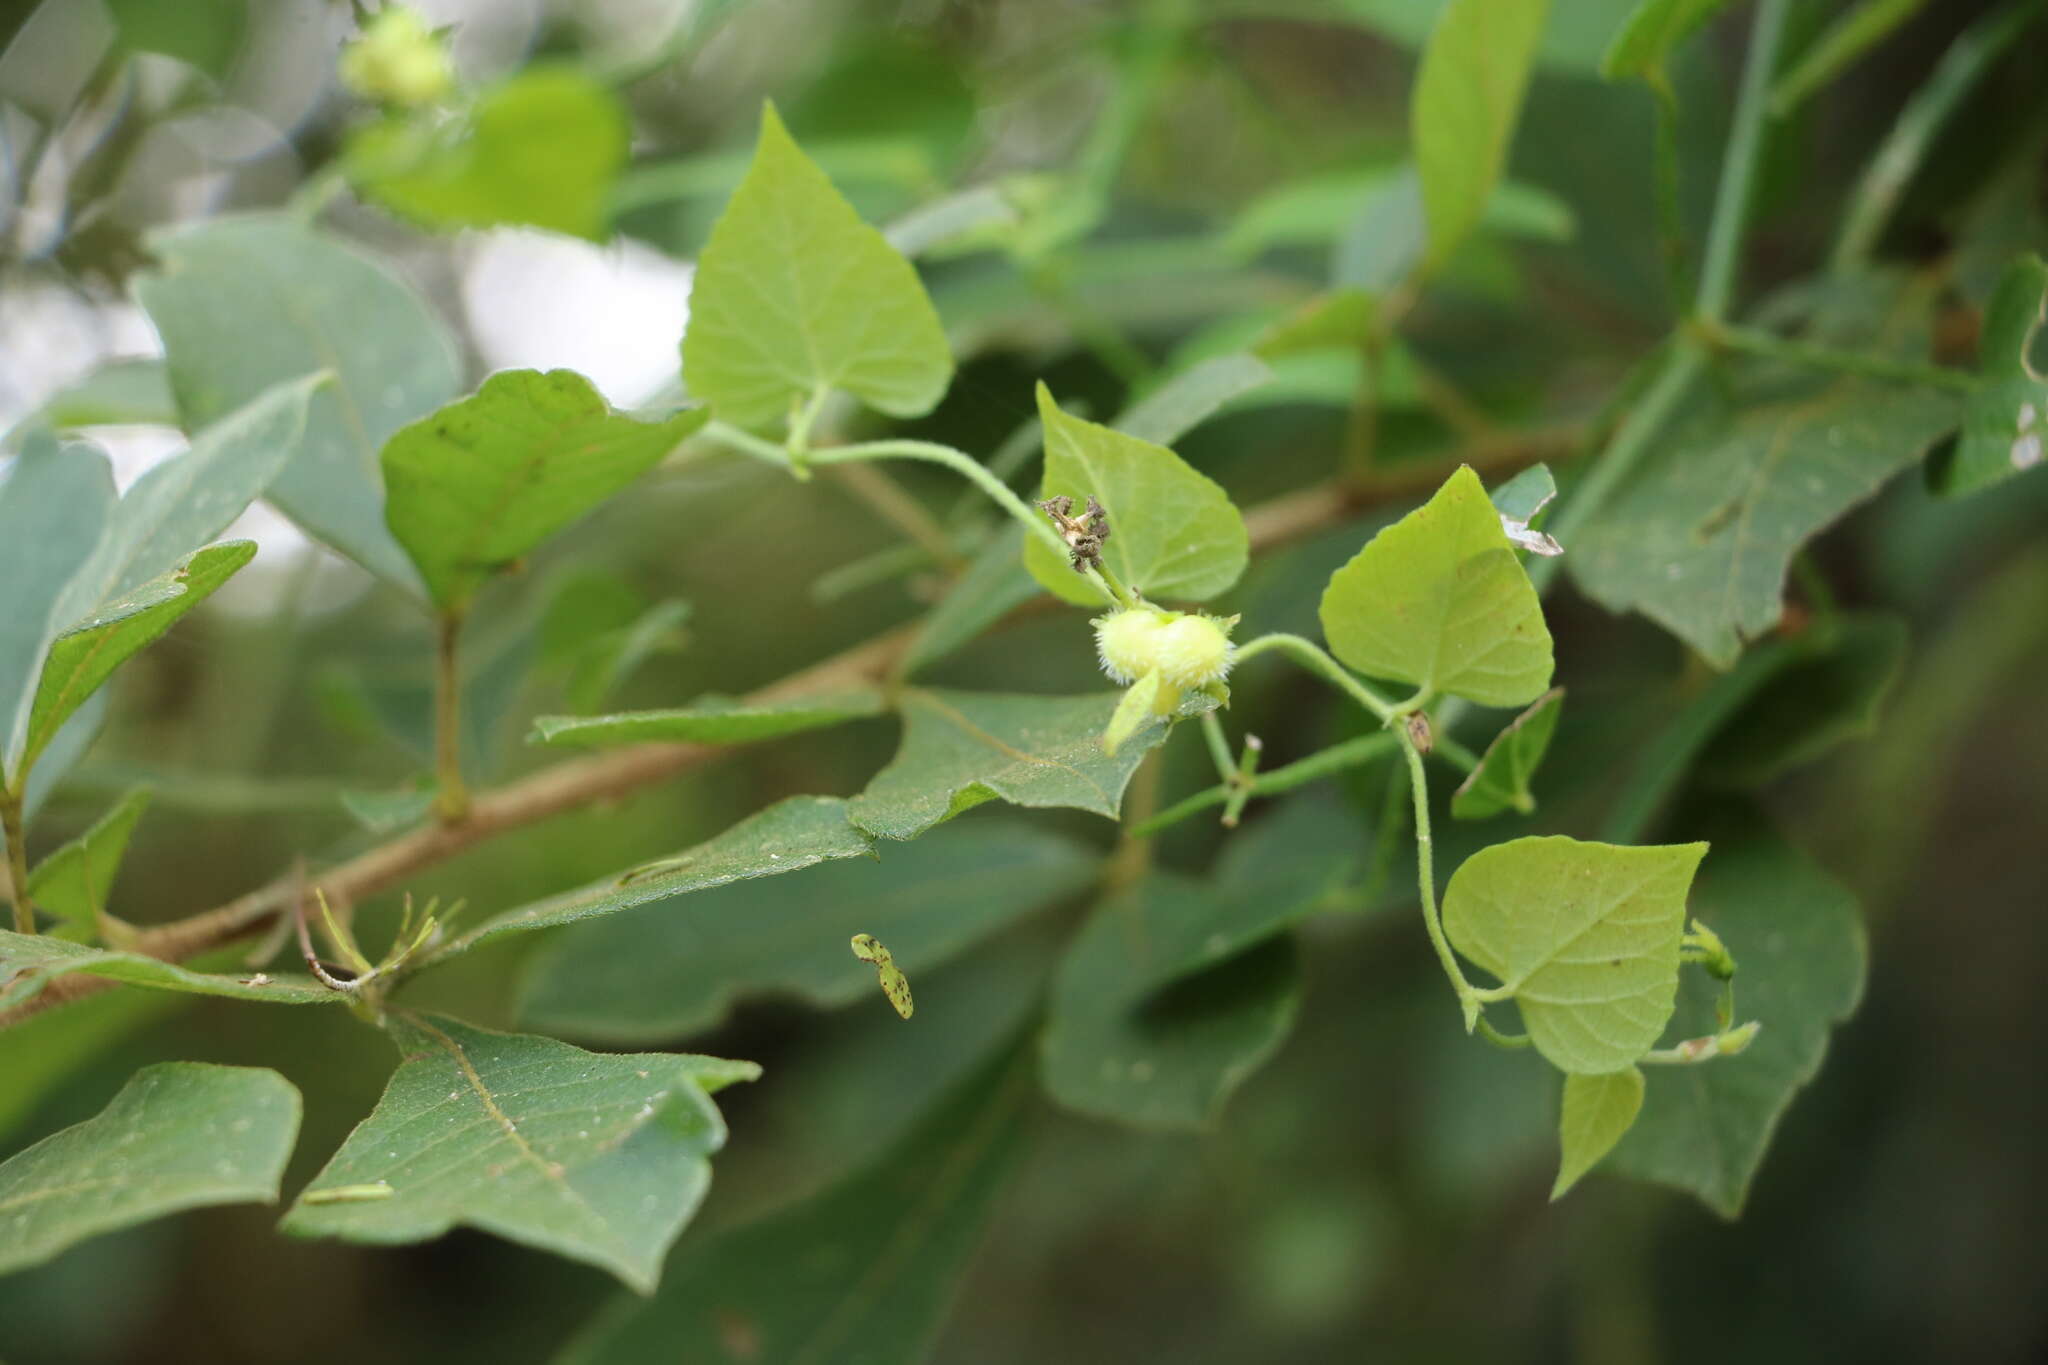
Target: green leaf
x,y
1118,1047
30,962
963,748
1468,95
72,882
1523,496
1836,49
49,1051
86,655
1597,1112
70,488
795,295
1818,702
788,836
1584,936
2005,423
601,1159
1439,600
1501,781
1174,533
477,485
389,812
1802,956
863,1271
180,1135
242,303
542,148
993,585
134,392
675,968
1702,535
709,720
1188,399
1656,29
1323,209
1134,710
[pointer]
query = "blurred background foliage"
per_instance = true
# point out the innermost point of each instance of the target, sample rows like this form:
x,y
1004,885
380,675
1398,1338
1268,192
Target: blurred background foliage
x,y
1378,1190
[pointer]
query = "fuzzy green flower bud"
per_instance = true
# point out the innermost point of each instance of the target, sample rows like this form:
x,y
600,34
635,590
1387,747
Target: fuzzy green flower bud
x,y
398,59
1186,649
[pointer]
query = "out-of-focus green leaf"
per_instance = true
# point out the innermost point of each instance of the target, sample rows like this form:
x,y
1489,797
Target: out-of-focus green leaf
x,y
71,489
389,812
206,34
1583,935
1321,209
708,720
1467,98
963,748
72,882
48,1051
87,654
1174,533
541,148
1572,40
180,1135
1439,600
597,632
1521,497
598,1158
477,485
968,214
63,753
1597,1112
1701,536
786,837
30,962
1822,700
1119,1047
994,583
1838,48
1802,956
1185,401
243,303
1656,29
795,295
130,392
863,1271
2005,423
673,969
1501,781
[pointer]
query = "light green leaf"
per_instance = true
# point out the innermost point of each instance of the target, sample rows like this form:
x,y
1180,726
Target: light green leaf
x,y
542,148
2005,423
963,748
71,488
72,882
1821,700
1501,781
1597,1112
1174,533
1327,208
1439,600
1838,48
1802,956
180,1135
130,392
1134,710
675,968
1188,399
477,485
30,962
86,655
1468,95
709,720
244,303
795,295
1523,496
1656,29
1118,1047
1702,535
786,837
1583,935
598,1158
863,1271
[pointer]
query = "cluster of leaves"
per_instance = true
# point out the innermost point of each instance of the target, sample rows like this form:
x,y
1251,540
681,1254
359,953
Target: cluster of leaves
x,y
330,388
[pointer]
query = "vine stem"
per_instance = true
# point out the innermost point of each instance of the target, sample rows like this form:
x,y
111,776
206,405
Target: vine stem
x,y
1425,881
14,834
451,799
1311,656
1350,754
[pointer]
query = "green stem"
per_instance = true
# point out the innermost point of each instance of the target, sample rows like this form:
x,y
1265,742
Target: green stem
x,y
1425,881
1335,759
14,834
1510,1041
1219,747
1738,169
747,443
1247,773
801,421
1760,343
451,800
1311,656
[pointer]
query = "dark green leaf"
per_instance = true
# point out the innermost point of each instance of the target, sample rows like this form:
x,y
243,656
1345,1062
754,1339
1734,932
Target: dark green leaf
x,y
71,488
1118,1047
1801,955
863,1271
994,584
72,882
30,962
1838,48
1656,29
708,720
2005,424
180,1135
244,303
1822,699
598,1158
1501,781
474,487
675,968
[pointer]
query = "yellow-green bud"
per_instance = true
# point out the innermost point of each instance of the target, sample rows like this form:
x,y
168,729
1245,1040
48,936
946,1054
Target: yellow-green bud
x,y
398,59
1185,649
